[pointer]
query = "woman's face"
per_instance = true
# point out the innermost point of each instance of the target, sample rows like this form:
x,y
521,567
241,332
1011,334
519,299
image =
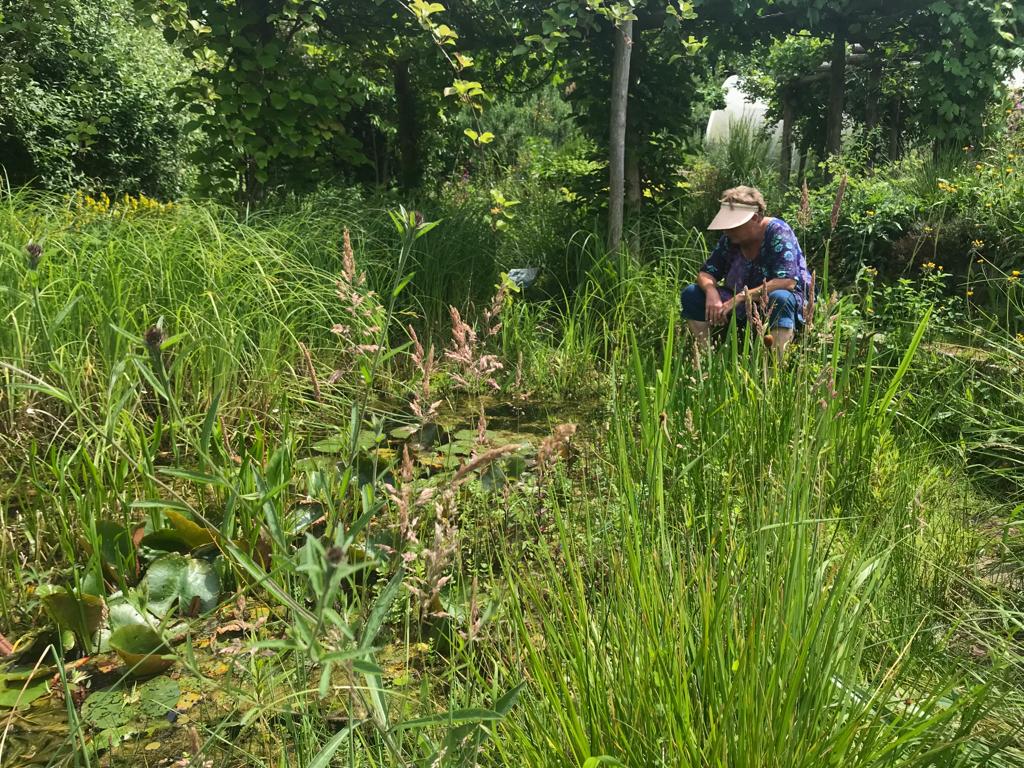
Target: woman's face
x,y
747,233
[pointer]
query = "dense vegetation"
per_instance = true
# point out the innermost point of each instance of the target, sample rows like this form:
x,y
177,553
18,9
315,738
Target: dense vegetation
x,y
292,472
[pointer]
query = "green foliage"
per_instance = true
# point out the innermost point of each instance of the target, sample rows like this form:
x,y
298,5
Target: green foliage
x,y
84,100
269,96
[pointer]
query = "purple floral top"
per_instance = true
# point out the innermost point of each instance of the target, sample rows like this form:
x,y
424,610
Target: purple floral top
x,y
780,256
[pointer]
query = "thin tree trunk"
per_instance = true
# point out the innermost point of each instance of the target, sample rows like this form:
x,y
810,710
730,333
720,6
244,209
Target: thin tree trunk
x,y
617,132
786,153
805,149
871,116
836,94
634,195
408,127
895,118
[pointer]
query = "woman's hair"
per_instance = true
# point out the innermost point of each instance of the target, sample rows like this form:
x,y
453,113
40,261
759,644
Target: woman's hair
x,y
745,196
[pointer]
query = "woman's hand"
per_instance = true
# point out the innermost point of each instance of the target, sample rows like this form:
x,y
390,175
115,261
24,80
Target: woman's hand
x,y
716,311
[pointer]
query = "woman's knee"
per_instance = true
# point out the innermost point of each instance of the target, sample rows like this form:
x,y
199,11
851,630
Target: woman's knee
x,y
692,301
783,305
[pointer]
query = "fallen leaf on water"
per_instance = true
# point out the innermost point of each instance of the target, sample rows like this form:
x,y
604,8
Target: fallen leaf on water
x,y
239,626
187,700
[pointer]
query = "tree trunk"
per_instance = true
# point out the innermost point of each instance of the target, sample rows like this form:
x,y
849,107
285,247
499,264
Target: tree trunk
x,y
617,132
410,170
786,153
634,194
836,94
871,116
895,118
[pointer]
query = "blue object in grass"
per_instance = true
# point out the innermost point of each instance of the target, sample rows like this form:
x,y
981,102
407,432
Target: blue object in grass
x,y
523,276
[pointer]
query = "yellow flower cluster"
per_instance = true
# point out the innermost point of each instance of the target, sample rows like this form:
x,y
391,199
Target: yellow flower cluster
x,y
945,186
977,244
124,206
928,266
1020,338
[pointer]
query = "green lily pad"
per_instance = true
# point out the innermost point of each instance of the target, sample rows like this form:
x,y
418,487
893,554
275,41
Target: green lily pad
x,y
122,613
80,614
404,432
141,649
460,447
133,705
15,697
166,540
192,534
471,435
16,676
109,738
342,443
175,579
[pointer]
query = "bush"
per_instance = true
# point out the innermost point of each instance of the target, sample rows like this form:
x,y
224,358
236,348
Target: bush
x,y
84,101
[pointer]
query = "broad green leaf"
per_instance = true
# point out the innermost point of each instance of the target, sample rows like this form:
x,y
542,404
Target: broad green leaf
x,y
142,650
81,614
22,698
192,534
175,579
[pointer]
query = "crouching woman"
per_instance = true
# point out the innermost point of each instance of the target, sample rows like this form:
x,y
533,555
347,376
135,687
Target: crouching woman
x,y
756,255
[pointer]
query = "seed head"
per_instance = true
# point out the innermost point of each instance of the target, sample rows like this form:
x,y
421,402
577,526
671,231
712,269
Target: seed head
x,y
335,556
35,251
155,337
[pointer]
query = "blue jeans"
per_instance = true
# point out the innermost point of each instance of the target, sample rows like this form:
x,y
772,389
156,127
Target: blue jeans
x,y
784,307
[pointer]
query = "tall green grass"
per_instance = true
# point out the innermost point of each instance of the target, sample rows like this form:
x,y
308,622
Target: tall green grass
x,y
765,586
748,565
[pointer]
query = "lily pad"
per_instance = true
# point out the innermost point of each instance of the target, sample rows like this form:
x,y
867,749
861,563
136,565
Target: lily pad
x,y
404,432
366,440
194,535
460,447
81,614
16,697
125,705
471,435
166,540
176,579
142,650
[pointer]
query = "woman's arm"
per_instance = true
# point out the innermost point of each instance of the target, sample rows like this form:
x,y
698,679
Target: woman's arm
x,y
775,284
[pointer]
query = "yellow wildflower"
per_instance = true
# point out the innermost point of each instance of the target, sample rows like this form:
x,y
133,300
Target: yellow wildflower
x,y
969,293
977,243
928,265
